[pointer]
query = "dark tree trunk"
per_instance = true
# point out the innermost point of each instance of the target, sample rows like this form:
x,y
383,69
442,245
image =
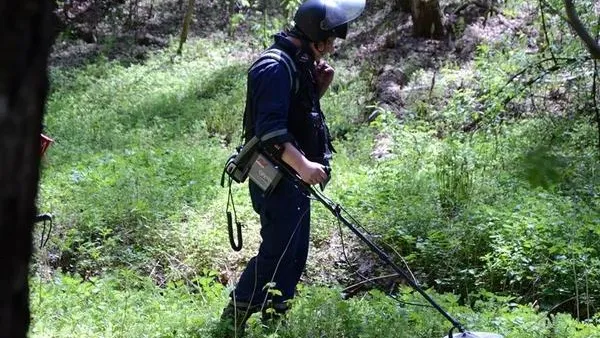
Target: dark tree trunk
x,y
403,5
186,25
26,34
427,19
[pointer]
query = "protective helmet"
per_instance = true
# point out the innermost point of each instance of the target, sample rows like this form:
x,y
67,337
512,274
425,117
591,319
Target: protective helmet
x,y
321,19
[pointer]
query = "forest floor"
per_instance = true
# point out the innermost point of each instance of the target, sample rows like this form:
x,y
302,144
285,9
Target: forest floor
x,y
403,68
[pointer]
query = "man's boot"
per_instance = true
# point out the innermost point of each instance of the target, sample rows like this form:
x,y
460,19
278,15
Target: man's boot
x,y
273,314
233,320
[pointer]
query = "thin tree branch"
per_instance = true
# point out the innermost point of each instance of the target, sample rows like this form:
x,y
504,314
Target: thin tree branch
x,y
369,280
548,45
538,65
595,100
595,93
543,73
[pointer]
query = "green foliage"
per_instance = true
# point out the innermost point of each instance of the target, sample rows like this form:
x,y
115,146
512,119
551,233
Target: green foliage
x,y
477,191
268,25
344,109
542,168
137,148
124,304
262,19
454,174
290,7
496,183
464,210
556,25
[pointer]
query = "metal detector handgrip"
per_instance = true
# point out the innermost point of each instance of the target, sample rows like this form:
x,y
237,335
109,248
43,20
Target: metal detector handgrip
x,y
323,184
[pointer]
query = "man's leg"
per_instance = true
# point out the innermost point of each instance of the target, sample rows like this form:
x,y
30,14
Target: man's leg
x,y
290,278
233,320
285,224
285,219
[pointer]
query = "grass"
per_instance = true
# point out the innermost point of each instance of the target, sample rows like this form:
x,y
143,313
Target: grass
x,y
138,149
133,182
139,153
123,304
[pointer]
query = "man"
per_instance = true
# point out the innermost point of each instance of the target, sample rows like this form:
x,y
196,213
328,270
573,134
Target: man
x,y
283,111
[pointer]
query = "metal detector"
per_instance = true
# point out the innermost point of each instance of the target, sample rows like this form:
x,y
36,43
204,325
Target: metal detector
x,y
336,210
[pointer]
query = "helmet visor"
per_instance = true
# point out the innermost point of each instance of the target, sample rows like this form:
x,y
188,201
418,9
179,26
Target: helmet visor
x,y
339,12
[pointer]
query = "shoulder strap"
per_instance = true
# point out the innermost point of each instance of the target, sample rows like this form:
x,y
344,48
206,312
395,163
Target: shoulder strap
x,y
279,55
267,56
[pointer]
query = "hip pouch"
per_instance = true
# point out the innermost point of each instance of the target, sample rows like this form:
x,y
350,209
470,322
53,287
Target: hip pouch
x,y
250,161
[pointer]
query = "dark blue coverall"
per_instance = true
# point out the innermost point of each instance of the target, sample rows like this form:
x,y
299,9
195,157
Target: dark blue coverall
x,y
279,116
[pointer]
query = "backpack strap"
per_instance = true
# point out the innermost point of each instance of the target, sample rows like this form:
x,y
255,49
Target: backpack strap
x,y
280,55
268,56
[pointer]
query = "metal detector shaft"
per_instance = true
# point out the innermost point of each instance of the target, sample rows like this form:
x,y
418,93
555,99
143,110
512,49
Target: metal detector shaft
x,y
335,210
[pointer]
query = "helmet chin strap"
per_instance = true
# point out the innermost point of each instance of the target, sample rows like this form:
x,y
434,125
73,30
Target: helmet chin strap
x,y
304,40
306,47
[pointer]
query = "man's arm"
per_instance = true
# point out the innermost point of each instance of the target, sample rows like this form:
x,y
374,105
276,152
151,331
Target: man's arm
x,y
271,90
310,172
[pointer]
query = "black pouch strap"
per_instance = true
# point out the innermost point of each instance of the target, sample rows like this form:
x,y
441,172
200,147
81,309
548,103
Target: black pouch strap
x,y
231,219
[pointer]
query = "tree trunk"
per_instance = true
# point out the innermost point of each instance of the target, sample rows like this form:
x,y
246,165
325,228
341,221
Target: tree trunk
x,y
26,35
588,40
427,19
186,25
403,5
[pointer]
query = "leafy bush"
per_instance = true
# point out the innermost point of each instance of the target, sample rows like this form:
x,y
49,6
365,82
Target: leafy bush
x,y
467,214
